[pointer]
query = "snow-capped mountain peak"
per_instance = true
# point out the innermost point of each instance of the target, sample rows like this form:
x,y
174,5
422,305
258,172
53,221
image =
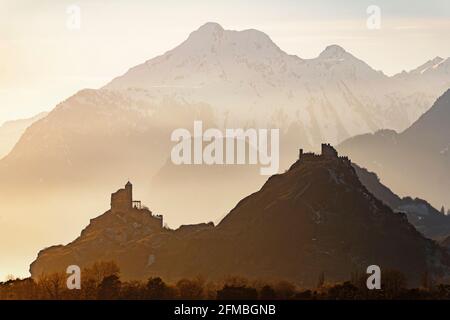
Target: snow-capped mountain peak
x,y
212,40
209,32
209,27
249,81
334,52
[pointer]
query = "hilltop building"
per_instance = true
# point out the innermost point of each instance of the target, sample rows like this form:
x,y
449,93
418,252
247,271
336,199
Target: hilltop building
x,y
122,202
328,152
122,199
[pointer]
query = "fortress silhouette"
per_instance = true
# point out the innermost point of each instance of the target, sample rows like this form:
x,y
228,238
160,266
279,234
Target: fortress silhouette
x,y
327,152
122,202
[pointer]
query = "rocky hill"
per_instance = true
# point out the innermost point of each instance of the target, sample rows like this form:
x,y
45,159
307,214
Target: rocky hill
x,y
316,217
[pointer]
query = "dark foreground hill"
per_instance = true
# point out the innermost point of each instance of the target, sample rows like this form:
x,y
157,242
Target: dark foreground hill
x,y
315,218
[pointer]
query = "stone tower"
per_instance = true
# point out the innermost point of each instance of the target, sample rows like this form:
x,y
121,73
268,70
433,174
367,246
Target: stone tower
x,y
122,200
129,190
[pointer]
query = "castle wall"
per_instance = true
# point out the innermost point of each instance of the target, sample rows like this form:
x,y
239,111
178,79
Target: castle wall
x,y
158,221
329,151
121,200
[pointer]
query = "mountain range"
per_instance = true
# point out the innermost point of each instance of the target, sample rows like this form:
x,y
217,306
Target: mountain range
x,y
252,83
64,165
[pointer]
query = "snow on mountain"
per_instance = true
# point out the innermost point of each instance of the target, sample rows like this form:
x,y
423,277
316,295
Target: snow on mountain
x,y
250,81
432,76
427,66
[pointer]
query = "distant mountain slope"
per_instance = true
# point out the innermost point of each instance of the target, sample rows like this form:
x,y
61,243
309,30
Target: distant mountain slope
x,y
434,73
210,191
426,219
317,217
414,162
11,131
97,127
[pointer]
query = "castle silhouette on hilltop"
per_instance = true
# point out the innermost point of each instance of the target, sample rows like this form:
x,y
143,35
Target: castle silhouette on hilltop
x,y
328,152
122,202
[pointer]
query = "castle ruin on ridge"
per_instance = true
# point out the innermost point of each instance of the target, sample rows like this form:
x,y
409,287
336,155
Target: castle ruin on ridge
x,y
122,202
328,152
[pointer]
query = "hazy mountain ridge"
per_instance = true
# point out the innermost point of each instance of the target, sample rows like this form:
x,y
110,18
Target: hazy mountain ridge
x,y
413,162
11,131
432,73
424,217
126,129
222,65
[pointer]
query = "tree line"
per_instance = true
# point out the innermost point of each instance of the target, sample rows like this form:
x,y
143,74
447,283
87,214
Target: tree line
x,y
101,281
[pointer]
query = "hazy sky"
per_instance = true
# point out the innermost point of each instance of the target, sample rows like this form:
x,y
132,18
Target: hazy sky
x,y
43,62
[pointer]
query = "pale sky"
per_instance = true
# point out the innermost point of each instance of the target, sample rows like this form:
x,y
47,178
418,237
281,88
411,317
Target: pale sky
x,y
42,61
